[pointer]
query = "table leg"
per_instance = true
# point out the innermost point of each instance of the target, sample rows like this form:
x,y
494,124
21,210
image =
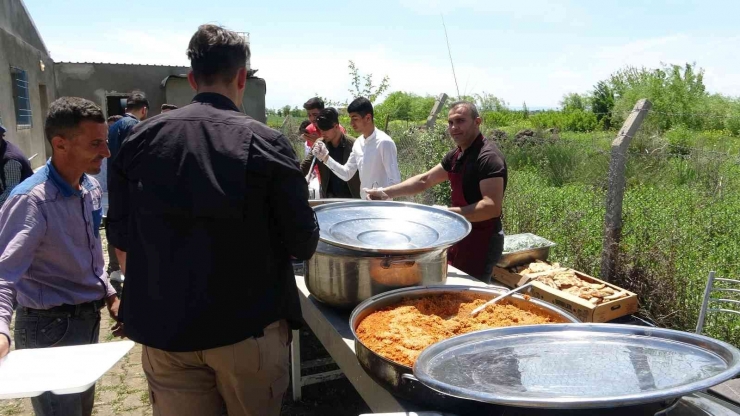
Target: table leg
x,y
295,364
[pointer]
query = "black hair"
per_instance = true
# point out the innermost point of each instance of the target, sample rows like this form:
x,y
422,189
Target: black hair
x,y
66,114
168,107
136,101
216,54
467,104
327,119
114,118
361,106
314,103
303,126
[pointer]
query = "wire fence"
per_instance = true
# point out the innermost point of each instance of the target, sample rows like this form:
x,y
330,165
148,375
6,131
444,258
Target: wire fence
x,y
681,212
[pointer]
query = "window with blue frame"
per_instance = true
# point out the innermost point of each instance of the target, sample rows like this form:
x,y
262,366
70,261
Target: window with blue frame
x,y
21,97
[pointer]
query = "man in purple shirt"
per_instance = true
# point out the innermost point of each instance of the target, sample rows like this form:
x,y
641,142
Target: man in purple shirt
x,y
52,259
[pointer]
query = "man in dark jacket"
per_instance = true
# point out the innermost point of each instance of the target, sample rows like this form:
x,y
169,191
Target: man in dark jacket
x,y
14,167
196,194
340,147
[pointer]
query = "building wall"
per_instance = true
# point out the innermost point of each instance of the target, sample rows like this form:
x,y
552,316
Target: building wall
x,y
179,92
21,46
95,81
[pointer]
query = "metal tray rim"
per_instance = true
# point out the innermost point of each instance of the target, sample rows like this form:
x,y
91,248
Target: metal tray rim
x,y
458,217
584,403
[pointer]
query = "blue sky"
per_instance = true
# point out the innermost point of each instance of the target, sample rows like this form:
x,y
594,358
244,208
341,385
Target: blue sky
x,y
534,51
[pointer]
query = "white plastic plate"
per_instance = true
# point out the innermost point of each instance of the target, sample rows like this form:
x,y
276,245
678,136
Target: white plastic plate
x,y
60,370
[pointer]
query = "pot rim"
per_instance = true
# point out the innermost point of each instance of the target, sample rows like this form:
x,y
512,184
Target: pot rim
x,y
493,289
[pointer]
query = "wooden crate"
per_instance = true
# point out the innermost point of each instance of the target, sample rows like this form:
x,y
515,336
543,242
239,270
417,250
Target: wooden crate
x,y
581,308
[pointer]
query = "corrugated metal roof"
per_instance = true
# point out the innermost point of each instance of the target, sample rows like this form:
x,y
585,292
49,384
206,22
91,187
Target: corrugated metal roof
x,y
119,63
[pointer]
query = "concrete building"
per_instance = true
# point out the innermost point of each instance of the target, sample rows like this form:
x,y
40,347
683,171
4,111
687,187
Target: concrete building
x,y
27,84
30,80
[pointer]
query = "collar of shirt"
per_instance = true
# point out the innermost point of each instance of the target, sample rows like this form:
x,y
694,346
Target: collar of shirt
x,y
216,100
478,142
131,116
342,142
372,136
63,186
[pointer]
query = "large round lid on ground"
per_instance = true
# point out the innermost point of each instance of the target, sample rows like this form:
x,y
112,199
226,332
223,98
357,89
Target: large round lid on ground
x,y
389,227
576,366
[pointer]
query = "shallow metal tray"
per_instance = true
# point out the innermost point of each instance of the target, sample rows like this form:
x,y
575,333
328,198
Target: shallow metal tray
x,y
529,255
576,366
389,227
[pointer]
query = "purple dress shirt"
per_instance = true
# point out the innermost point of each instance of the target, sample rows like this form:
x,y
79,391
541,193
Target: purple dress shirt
x,y
50,244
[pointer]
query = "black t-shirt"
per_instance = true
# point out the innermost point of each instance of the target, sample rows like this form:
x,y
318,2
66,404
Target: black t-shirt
x,y
336,188
482,160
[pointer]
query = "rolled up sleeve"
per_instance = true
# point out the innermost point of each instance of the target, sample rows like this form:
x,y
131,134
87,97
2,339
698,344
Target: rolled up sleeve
x,y
22,226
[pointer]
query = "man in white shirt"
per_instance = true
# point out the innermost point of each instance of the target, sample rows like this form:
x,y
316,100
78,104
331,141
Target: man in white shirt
x,y
373,154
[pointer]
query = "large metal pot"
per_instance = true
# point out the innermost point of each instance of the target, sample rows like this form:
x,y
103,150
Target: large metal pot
x,y
316,202
343,278
399,379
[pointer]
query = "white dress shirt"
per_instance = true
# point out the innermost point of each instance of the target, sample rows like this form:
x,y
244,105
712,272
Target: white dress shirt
x,y
376,159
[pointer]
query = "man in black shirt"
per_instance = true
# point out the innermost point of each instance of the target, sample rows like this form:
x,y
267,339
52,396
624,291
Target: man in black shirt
x,y
477,173
340,147
208,206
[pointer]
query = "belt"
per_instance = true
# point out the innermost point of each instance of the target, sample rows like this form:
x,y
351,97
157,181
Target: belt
x,y
73,310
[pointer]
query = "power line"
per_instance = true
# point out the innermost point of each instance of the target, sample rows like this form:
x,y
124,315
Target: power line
x,y
449,52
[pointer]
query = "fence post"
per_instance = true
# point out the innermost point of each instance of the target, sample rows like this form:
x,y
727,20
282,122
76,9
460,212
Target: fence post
x,y
438,104
617,182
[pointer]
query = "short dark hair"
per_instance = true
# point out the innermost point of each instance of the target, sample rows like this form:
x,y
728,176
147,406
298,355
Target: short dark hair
x,y
314,103
327,119
216,54
114,118
303,126
467,104
361,106
66,114
137,100
168,107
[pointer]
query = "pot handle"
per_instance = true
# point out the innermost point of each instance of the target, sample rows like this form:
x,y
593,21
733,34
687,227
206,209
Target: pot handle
x,y
387,263
409,376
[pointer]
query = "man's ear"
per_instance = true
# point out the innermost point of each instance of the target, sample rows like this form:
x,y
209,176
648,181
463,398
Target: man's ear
x,y
58,143
191,81
241,78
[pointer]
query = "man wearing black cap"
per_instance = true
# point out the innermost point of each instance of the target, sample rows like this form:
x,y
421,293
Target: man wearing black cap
x,y
14,167
340,147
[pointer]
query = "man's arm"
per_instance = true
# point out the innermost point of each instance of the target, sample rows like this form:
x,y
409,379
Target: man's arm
x,y
413,185
389,156
347,171
296,221
489,207
118,206
22,227
12,178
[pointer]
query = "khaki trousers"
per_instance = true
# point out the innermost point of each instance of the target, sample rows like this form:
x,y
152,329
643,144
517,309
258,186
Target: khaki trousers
x,y
249,377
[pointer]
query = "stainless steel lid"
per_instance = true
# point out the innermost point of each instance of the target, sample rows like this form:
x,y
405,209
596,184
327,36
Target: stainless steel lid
x,y
389,227
576,366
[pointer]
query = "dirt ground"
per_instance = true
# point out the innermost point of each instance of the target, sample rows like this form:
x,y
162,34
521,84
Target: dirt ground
x,y
123,390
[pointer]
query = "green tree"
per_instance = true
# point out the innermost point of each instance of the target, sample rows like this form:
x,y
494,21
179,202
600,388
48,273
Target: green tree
x,y
285,111
574,101
489,102
363,86
602,103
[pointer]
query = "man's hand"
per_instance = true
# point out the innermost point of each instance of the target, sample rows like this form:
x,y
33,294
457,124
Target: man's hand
x,y
320,151
4,345
376,194
113,303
